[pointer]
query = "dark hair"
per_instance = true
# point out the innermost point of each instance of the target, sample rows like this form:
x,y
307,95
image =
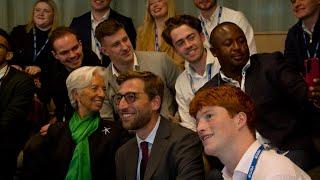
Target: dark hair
x,y
178,21
60,32
153,85
107,28
6,36
232,98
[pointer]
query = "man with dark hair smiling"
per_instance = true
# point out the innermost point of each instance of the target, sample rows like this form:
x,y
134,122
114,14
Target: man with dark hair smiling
x,y
116,43
69,55
86,24
161,149
280,94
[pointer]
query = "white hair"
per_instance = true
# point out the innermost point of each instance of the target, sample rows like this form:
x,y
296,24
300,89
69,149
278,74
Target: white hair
x,y
82,78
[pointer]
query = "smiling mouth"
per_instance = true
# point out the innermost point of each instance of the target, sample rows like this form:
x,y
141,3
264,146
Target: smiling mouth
x,y
126,115
205,137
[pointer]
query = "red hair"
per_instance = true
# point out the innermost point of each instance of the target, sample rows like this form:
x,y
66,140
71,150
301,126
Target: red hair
x,y
233,99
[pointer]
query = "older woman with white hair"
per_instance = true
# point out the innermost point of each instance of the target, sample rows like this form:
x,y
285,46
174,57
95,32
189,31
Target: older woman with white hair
x,y
83,148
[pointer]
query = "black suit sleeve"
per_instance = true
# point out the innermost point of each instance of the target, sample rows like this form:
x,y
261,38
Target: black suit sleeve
x,y
188,157
292,84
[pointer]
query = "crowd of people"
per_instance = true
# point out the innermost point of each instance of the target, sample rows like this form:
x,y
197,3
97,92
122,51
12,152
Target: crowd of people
x,y
182,97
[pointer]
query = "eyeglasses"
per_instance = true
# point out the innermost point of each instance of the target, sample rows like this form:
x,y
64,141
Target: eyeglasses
x,y
130,97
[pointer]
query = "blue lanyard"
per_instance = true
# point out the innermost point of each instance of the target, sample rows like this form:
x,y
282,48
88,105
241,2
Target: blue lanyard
x,y
97,44
156,40
204,26
35,53
191,80
306,44
254,162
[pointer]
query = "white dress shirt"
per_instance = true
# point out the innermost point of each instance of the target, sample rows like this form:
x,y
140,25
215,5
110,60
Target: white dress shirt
x,y
229,15
3,72
270,166
135,64
184,89
95,45
150,140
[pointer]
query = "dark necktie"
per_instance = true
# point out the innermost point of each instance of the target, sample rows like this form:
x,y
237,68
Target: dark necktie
x,y
145,158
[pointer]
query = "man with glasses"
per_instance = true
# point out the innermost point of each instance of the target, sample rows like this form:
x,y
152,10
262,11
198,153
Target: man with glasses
x,y
70,55
16,93
117,45
161,149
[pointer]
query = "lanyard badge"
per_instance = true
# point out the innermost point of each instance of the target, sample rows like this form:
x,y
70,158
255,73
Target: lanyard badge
x,y
311,65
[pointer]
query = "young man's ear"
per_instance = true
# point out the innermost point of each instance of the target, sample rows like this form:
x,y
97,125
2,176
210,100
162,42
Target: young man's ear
x,y
55,55
156,103
202,37
241,120
104,51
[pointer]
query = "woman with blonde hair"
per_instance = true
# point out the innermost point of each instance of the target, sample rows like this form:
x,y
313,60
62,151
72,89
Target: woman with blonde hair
x,y
149,34
30,41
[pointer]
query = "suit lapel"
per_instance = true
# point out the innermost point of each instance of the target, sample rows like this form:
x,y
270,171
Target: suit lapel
x,y
132,160
158,148
251,80
112,80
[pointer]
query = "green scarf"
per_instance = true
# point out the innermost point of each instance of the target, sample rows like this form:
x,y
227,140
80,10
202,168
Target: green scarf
x,y
81,129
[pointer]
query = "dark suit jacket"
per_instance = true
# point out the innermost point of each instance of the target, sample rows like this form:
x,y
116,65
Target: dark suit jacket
x,y
82,25
295,48
176,154
16,93
48,157
24,48
283,113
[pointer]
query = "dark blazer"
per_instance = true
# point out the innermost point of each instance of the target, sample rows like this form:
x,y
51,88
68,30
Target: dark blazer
x,y
48,157
24,48
16,93
295,48
82,25
176,154
284,114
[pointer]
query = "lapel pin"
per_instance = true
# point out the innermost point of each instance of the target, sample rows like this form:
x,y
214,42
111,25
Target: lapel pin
x,y
106,130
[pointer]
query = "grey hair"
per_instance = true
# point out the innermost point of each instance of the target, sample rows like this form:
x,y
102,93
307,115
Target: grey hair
x,y
81,78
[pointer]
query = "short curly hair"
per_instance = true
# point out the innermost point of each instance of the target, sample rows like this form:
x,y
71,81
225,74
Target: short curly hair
x,y
177,21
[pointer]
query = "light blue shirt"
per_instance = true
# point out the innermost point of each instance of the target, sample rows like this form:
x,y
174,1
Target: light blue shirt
x,y
150,140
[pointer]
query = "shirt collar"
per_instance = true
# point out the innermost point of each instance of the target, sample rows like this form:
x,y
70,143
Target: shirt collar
x,y
245,161
151,136
135,66
305,29
211,61
243,72
104,17
3,71
211,19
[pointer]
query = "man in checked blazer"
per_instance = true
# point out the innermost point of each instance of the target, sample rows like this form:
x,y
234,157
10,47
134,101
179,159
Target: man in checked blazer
x,y
117,45
171,151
